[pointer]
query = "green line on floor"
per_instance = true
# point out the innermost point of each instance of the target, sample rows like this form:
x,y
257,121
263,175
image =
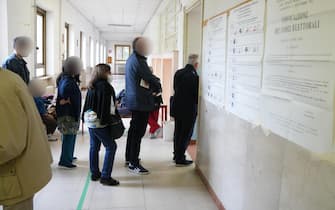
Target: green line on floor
x,y
84,193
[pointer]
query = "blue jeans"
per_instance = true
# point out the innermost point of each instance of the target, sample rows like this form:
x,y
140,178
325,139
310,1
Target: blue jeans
x,y
68,145
98,136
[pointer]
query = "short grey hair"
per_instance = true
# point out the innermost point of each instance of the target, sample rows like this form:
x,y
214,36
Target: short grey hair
x,y
193,59
22,41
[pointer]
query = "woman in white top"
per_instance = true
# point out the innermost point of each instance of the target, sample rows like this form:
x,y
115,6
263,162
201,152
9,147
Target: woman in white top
x,y
98,112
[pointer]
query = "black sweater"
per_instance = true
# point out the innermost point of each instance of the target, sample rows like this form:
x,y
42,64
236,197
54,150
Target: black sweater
x,y
99,100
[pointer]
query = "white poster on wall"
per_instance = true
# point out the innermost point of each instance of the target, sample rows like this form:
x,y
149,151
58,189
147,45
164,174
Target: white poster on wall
x,y
214,64
243,90
245,54
246,31
305,125
300,30
302,81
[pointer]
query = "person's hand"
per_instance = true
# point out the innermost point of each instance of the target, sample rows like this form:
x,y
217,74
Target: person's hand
x,y
65,101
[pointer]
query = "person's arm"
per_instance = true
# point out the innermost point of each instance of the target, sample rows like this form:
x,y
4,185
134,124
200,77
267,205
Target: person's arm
x,y
12,143
195,87
176,81
13,126
15,67
145,73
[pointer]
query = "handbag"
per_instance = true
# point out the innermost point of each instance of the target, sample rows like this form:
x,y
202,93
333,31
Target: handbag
x,y
116,127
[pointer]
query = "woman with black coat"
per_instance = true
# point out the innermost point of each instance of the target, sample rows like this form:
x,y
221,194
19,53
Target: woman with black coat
x,y
68,108
99,110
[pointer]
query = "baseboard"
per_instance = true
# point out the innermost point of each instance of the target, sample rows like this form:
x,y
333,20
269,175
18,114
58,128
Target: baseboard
x,y
216,199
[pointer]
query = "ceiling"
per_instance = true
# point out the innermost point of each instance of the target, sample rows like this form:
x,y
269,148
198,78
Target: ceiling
x,y
136,13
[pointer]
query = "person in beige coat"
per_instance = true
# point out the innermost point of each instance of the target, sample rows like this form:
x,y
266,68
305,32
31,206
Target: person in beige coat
x,y
25,156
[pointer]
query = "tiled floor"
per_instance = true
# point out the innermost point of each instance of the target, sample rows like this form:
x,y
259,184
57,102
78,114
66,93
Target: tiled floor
x,y
166,188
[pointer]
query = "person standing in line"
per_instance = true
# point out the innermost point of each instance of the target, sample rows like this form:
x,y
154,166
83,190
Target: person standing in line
x,y
155,128
184,108
99,110
15,62
68,108
140,100
25,156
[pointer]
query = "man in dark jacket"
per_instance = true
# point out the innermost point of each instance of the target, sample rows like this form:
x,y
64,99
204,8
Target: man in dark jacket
x,y
140,100
184,108
15,62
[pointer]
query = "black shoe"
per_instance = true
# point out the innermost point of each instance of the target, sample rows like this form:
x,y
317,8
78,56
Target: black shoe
x,y
74,159
72,166
95,177
109,182
126,164
184,163
140,170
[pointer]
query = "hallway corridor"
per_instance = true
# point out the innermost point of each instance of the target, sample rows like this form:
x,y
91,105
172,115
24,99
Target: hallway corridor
x,y
166,188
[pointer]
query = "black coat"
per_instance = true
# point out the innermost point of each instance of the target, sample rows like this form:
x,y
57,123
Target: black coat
x,y
99,100
186,87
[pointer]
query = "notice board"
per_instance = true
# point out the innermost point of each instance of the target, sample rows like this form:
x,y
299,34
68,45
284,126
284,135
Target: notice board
x,y
271,63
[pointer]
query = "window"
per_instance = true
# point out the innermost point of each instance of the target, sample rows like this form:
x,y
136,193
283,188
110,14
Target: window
x,y
66,41
122,52
101,53
41,43
91,52
105,54
97,52
83,46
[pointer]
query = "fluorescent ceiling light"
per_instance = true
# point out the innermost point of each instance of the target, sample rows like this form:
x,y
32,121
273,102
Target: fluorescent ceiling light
x,y
120,25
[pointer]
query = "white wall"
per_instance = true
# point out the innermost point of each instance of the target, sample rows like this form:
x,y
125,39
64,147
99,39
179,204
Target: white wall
x,y
156,27
249,170
78,22
194,31
214,7
153,33
18,25
53,34
59,12
4,31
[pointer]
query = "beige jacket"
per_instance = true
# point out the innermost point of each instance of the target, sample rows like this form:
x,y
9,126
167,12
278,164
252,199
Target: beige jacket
x,y
25,155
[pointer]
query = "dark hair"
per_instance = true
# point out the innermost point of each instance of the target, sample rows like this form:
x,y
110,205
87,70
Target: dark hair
x,y
135,42
99,73
72,67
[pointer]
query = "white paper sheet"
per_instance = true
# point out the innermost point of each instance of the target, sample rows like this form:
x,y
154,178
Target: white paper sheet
x,y
305,125
214,63
245,54
306,82
300,30
246,31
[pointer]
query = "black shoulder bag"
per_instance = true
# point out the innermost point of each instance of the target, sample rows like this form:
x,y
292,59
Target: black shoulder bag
x,y
116,127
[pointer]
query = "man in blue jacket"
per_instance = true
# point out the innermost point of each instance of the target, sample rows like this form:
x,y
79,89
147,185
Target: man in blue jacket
x,y
140,100
15,62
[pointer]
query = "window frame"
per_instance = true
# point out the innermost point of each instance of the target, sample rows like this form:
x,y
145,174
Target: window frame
x,y
41,12
122,46
67,38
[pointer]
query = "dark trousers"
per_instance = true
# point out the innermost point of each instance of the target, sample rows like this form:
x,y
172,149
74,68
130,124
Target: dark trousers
x,y
68,145
184,126
138,127
98,136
